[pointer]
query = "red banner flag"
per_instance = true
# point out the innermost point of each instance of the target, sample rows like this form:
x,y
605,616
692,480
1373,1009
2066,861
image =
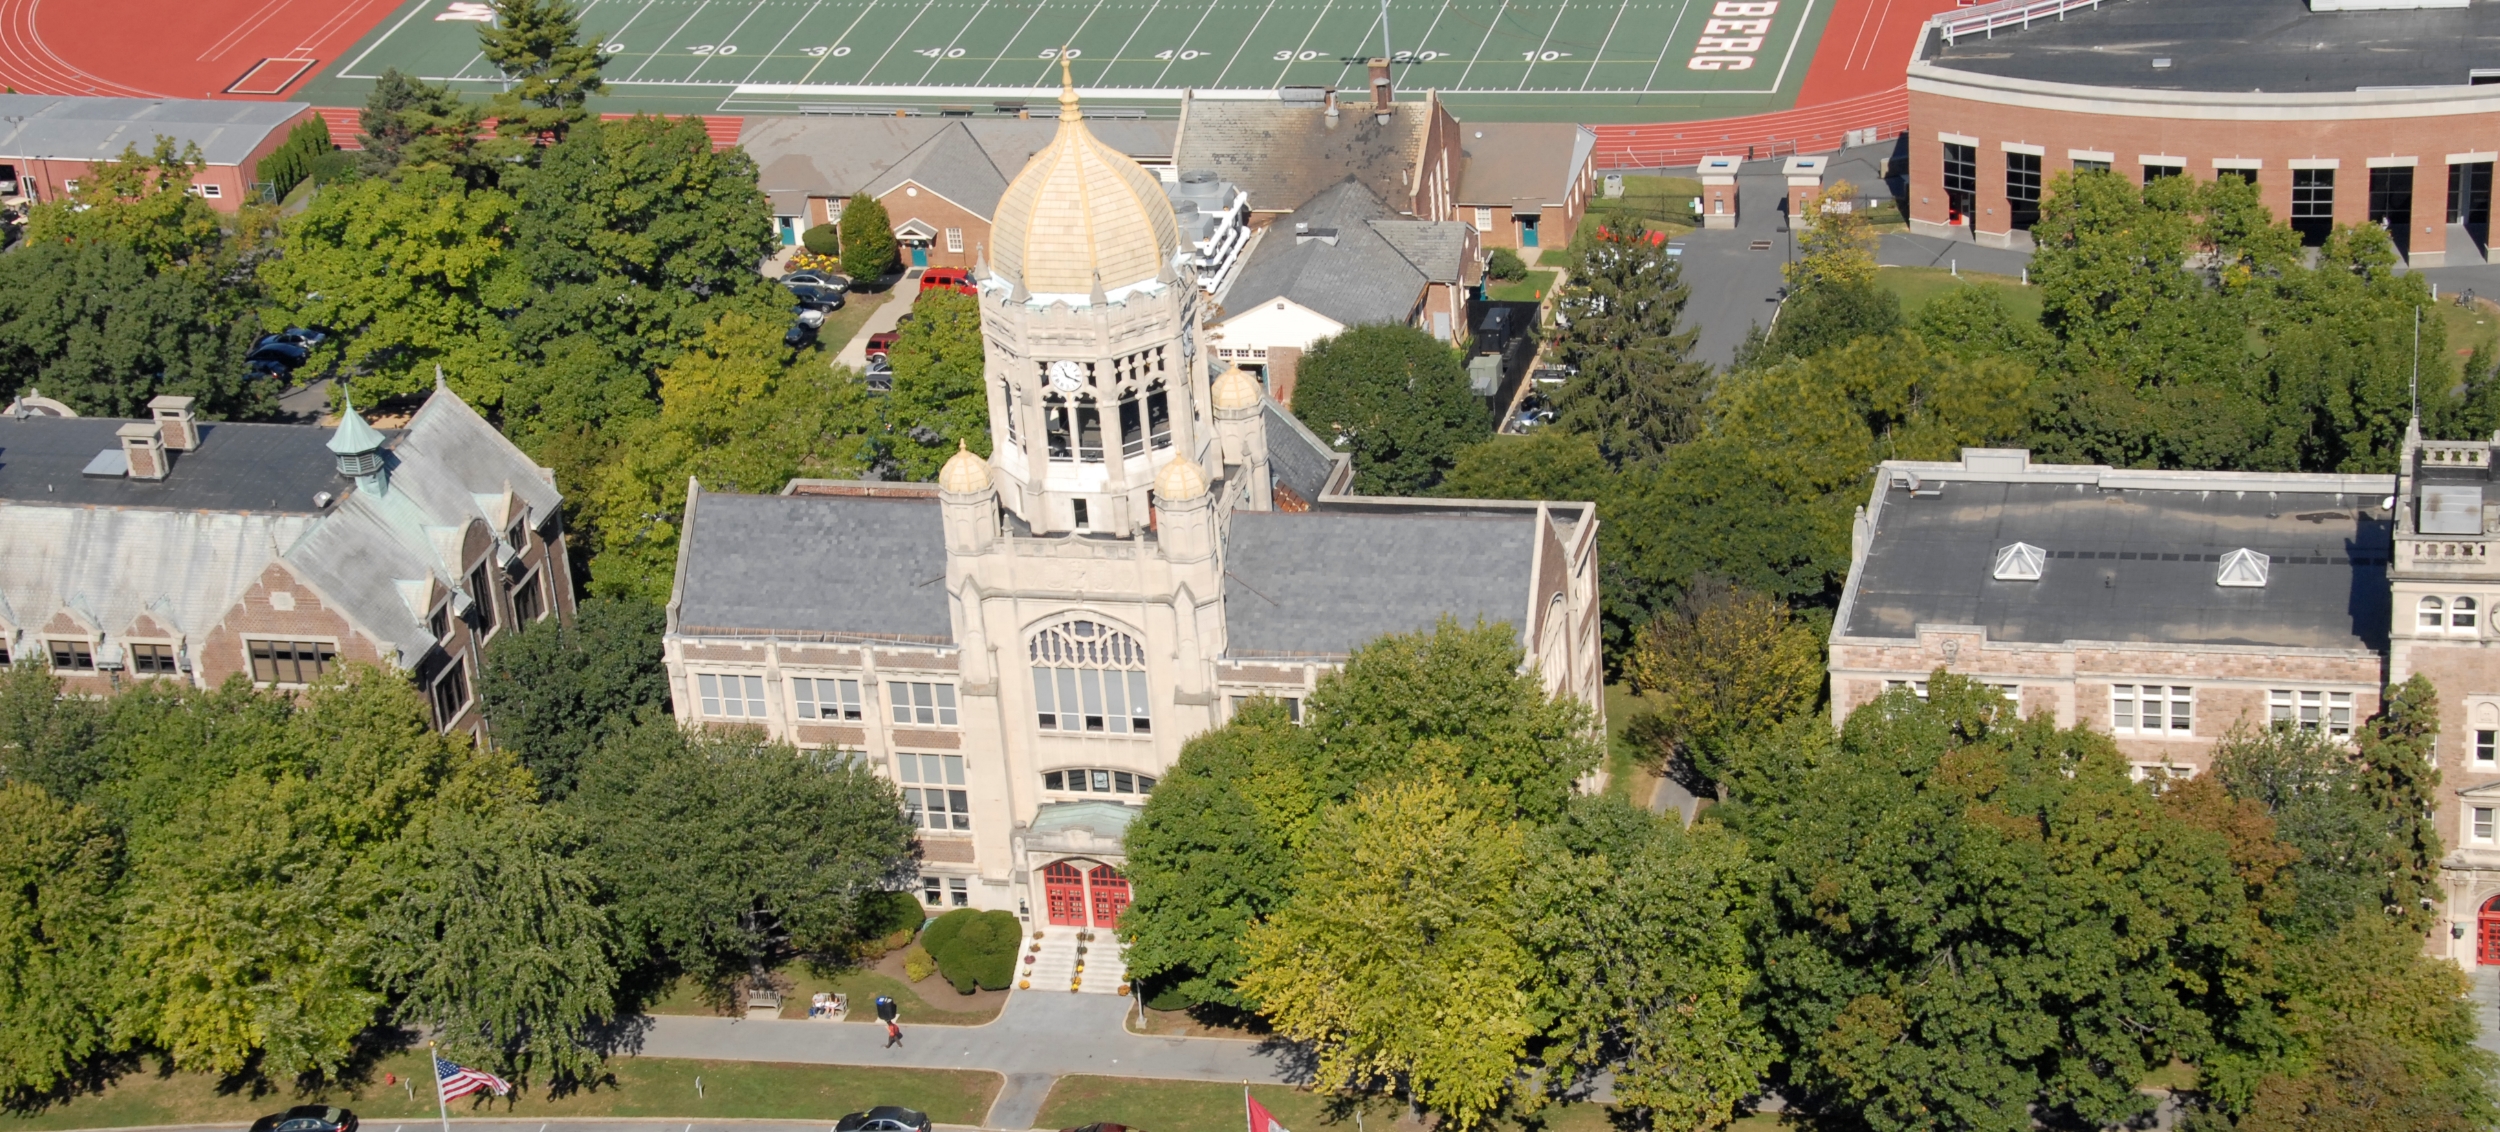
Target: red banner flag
x,y
1260,1119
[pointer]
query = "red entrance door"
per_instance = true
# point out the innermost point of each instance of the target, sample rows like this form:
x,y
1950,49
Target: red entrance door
x,y
1110,891
2487,939
1063,887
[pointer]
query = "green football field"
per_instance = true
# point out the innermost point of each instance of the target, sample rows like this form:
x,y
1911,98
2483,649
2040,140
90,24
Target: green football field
x,y
1589,60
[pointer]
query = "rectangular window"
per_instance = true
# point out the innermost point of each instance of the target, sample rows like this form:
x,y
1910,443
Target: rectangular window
x,y
211,192
826,699
731,697
292,662
72,656
954,239
2391,201
926,798
958,889
152,660
1484,220
2483,823
1015,412
1158,418
1091,699
930,890
2154,173
451,693
1089,434
1917,687
1132,429
2486,749
2091,166
1293,705
1961,180
2310,710
2313,203
483,593
526,603
2152,709
1055,432
2022,188
922,704
440,622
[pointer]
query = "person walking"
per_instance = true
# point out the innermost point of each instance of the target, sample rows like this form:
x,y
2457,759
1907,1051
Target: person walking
x,y
890,1015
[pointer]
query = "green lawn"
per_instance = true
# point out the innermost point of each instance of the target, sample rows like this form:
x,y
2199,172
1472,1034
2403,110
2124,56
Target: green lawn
x,y
1536,286
1193,1106
930,1002
639,1087
1622,773
1667,199
2467,327
842,324
1918,286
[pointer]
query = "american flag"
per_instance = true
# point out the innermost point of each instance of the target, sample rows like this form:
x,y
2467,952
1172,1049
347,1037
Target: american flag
x,y
456,1082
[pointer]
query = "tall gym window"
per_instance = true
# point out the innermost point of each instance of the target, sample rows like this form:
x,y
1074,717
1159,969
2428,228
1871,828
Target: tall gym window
x,y
2022,188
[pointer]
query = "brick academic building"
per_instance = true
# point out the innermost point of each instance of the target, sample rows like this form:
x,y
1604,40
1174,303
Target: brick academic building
x,y
2339,117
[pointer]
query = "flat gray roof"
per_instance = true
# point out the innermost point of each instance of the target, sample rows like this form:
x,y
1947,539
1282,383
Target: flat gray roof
x,y
1319,584
832,564
2241,46
98,129
2125,565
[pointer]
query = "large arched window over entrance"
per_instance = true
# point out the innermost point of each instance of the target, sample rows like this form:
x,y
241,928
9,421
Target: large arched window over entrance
x,y
1089,676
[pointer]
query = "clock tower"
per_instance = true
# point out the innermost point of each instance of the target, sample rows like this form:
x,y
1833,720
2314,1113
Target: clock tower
x,y
1090,312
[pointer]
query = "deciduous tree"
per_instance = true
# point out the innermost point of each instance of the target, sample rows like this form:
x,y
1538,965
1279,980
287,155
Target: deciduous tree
x,y
1397,399
939,399
1725,662
551,688
57,866
1397,956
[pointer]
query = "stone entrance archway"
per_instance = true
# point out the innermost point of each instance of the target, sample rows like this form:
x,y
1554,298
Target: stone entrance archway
x,y
2487,934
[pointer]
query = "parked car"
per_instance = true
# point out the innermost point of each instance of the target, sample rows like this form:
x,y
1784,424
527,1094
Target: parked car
x,y
308,1118
880,374
882,341
884,1118
949,278
272,357
817,298
802,329
815,279
297,336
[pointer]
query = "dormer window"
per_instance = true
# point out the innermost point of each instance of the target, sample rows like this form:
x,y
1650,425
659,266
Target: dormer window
x,y
72,656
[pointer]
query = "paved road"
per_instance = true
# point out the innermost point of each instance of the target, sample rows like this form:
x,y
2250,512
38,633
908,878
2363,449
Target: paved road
x,y
1036,1039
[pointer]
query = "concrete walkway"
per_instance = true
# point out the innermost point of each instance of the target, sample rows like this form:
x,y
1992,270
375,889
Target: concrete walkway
x,y
1040,1036
897,304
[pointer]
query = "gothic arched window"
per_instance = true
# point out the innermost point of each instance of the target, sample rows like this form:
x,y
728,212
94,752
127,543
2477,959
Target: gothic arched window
x,y
1089,676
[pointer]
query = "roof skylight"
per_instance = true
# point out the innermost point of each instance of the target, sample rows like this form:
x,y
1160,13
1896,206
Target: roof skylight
x,y
2020,562
2242,567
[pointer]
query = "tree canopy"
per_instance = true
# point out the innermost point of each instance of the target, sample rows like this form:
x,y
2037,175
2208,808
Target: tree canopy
x,y
1396,398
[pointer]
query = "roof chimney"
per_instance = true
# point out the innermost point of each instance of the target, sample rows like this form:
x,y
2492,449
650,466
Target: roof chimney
x,y
174,423
144,446
1380,88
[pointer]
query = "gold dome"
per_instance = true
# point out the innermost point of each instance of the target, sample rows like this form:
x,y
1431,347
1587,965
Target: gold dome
x,y
1180,481
1235,389
965,473
1081,215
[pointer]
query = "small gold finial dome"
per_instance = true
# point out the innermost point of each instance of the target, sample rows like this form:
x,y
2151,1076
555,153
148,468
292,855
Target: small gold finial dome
x,y
1180,480
965,473
1235,389
1081,216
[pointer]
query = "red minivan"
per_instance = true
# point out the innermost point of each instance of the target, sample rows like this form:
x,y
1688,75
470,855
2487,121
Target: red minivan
x,y
950,278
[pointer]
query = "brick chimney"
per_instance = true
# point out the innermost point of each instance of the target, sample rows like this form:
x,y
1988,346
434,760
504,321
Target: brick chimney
x,y
144,443
173,420
1380,88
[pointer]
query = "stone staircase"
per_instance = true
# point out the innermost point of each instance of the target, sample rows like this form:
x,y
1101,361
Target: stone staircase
x,y
1054,967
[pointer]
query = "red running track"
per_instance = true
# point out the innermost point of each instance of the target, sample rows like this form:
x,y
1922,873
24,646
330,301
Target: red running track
x,y
161,49
1854,83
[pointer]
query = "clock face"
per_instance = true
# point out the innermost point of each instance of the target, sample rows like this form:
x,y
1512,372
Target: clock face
x,y
1067,376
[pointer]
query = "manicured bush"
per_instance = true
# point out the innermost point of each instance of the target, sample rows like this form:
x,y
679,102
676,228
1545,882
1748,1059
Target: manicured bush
x,y
918,964
1505,265
974,950
886,913
867,239
288,165
823,239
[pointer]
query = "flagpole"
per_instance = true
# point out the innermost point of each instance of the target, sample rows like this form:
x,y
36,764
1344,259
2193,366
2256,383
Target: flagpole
x,y
1246,1119
440,1104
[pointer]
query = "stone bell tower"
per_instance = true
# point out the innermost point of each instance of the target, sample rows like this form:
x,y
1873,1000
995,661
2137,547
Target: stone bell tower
x,y
1091,318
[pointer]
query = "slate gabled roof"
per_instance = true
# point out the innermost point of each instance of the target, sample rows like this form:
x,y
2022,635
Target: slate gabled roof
x,y
1322,583
1370,273
831,564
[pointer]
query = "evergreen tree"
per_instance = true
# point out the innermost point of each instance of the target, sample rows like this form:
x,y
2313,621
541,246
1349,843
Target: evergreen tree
x,y
548,71
1638,393
867,237
406,121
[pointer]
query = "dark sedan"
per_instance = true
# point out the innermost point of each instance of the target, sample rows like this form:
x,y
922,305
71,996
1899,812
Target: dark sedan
x,y
884,1118
308,1118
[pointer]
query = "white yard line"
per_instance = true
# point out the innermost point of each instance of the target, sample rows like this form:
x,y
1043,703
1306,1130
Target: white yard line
x,y
1081,25
784,41
725,40
837,42
897,41
1122,53
1011,42
1533,60
1489,27
1305,44
349,71
1669,45
959,37
1620,5
672,38
1247,39
1184,45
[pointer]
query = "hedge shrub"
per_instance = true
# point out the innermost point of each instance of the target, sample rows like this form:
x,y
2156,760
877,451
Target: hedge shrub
x,y
974,950
823,239
1505,265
